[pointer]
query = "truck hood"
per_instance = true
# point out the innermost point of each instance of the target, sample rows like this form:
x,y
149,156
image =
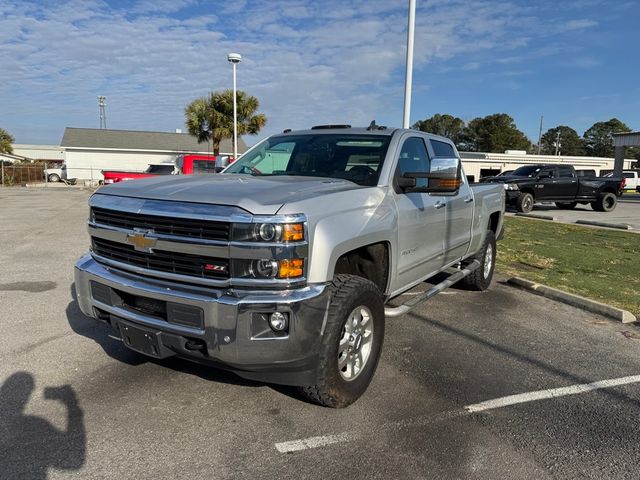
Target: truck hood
x,y
257,195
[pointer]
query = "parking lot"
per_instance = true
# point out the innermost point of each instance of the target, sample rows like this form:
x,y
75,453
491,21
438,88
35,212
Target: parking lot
x,y
121,415
627,212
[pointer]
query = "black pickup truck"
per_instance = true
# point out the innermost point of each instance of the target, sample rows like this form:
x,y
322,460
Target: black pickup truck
x,y
560,184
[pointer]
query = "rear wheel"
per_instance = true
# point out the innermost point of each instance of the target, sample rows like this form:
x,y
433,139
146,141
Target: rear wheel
x,y
566,205
480,279
351,343
525,203
606,203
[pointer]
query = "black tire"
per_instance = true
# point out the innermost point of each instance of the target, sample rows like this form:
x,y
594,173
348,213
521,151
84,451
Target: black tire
x,y
480,279
566,205
606,203
331,388
525,203
54,177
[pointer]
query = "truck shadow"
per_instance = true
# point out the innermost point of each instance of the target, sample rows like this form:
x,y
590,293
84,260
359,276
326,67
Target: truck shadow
x,y
108,340
30,445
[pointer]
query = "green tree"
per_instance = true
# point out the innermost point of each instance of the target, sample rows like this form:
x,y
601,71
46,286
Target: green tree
x,y
445,125
211,117
598,140
570,143
493,133
6,141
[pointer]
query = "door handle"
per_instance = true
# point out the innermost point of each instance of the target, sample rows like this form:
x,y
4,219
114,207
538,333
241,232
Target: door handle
x,y
468,200
440,205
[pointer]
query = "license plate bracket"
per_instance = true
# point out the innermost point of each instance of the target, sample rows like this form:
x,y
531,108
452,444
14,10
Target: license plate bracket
x,y
141,340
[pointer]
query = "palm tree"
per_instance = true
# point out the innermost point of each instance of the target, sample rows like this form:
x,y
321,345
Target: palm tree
x,y
211,117
5,142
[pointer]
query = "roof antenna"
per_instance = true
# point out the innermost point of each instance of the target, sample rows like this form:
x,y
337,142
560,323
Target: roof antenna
x,y
372,125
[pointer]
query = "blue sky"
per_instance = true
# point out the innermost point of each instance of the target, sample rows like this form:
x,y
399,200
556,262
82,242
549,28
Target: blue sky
x,y
309,62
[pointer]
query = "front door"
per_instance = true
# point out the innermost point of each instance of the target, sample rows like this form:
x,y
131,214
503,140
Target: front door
x,y
421,219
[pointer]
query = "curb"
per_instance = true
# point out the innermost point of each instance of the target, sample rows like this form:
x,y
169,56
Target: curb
x,y
535,215
621,226
577,301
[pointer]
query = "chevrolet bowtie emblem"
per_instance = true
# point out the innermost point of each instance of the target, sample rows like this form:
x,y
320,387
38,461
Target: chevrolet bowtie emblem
x,y
141,242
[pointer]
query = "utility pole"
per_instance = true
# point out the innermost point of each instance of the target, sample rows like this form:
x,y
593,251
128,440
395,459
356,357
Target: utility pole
x,y
409,66
540,135
102,102
235,59
558,143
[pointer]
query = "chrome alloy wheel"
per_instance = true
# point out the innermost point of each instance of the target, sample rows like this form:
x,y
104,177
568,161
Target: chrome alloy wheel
x,y
527,205
488,260
354,348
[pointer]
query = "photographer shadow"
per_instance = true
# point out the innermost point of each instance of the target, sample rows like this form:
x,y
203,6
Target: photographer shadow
x,y
30,445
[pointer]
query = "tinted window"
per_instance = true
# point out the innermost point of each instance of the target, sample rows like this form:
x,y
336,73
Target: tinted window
x,y
414,158
565,171
357,158
161,169
203,167
442,149
528,171
628,175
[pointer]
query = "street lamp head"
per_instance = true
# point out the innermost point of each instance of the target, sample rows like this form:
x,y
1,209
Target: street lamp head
x,y
234,57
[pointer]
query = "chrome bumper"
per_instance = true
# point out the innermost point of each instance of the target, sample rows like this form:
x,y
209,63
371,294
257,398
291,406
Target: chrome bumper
x,y
234,333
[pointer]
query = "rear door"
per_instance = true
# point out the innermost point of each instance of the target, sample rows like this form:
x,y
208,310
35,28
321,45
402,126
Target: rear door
x,y
566,185
421,217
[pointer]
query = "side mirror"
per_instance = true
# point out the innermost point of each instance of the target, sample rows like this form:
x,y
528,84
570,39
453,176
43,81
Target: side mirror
x,y
445,176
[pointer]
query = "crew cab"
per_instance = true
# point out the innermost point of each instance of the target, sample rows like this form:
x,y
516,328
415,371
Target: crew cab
x,y
560,184
183,165
281,269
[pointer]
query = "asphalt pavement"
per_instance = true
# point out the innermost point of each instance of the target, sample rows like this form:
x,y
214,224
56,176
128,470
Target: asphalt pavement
x,y
627,212
75,403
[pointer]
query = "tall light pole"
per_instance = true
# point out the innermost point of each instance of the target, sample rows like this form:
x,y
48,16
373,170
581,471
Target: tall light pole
x,y
409,66
102,103
235,58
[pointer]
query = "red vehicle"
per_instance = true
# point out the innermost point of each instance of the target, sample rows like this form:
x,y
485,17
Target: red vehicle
x,y
183,165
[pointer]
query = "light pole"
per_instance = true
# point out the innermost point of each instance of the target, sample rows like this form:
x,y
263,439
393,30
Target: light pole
x,y
235,58
409,66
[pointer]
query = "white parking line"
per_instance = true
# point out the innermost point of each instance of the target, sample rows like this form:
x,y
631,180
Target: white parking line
x,y
313,442
550,393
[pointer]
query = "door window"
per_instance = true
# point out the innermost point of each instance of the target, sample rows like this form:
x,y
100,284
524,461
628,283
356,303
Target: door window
x,y
442,149
414,158
565,172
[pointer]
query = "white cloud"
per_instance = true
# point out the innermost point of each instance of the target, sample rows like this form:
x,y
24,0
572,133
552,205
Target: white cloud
x,y
307,62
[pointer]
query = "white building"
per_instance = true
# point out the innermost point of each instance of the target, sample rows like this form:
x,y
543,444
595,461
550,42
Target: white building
x,y
88,151
478,165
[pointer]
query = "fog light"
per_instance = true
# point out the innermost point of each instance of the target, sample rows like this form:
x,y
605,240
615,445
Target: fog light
x,y
278,321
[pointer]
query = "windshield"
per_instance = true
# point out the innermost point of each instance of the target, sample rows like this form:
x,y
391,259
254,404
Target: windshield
x,y
357,158
161,169
528,171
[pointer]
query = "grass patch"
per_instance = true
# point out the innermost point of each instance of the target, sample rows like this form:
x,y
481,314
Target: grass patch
x,y
597,264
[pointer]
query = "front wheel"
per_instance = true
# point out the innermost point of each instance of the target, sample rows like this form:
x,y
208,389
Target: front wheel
x,y
54,177
525,203
351,343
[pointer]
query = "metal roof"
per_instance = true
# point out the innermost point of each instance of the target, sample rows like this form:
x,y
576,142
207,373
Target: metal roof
x,y
140,140
631,139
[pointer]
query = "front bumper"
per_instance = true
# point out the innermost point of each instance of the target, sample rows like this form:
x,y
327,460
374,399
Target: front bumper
x,y
230,328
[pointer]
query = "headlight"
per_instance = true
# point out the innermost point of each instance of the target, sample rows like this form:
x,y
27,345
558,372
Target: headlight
x,y
268,269
268,232
511,186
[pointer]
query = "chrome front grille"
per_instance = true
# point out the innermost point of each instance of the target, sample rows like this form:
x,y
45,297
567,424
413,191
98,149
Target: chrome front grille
x,y
163,261
176,226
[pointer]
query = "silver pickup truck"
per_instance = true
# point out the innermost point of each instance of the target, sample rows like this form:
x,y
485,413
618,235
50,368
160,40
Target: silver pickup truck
x,y
281,269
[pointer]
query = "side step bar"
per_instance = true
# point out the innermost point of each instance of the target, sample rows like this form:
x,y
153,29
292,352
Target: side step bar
x,y
432,292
